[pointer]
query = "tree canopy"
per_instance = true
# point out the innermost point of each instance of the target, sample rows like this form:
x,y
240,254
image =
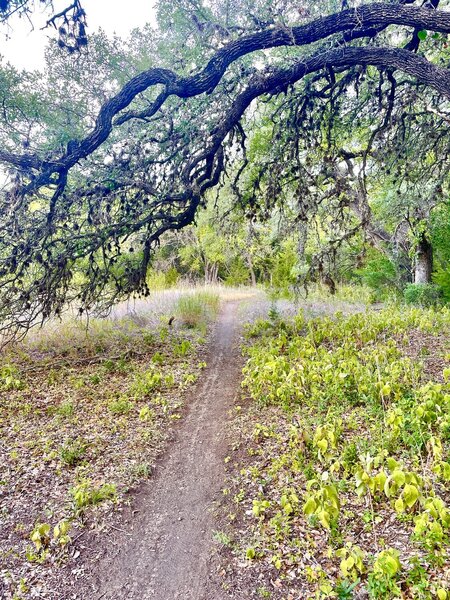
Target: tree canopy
x,y
311,107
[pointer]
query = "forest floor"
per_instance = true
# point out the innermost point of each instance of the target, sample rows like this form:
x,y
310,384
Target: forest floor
x,y
84,417
181,455
165,544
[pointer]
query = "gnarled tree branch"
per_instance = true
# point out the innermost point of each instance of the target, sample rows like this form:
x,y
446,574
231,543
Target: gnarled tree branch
x,y
362,18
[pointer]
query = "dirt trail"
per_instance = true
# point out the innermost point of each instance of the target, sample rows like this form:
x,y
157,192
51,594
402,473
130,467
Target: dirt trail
x,y
167,555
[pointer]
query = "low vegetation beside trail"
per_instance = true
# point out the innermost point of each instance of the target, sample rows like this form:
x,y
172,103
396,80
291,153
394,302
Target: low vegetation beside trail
x,y
341,482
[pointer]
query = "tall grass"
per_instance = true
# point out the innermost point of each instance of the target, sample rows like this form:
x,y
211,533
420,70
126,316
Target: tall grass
x,y
195,310
128,323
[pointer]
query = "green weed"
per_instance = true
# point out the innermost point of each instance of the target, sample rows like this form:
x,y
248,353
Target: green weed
x,y
121,406
87,494
348,424
72,452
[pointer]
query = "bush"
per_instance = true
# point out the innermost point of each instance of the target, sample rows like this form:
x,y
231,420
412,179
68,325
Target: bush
x,y
10,379
442,279
238,274
353,293
87,494
423,294
385,277
121,406
356,293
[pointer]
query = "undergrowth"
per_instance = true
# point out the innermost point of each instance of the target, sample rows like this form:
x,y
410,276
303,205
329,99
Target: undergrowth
x,y
346,486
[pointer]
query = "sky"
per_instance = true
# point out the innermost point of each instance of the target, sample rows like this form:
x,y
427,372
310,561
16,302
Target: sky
x,y
24,46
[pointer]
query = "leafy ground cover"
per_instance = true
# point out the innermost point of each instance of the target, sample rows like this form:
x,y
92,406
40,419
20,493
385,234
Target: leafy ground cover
x,y
340,485
83,415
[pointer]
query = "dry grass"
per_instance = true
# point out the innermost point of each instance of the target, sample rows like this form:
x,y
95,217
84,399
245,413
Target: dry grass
x,y
162,304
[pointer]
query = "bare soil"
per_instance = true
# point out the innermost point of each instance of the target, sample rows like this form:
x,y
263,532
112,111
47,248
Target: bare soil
x,y
165,548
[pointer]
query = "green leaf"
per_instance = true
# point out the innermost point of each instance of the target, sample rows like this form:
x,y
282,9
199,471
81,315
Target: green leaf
x,y
386,390
324,518
392,565
398,477
309,506
445,471
277,562
410,495
380,480
322,445
387,489
346,565
332,495
422,35
392,463
399,505
387,562
44,529
287,508
360,490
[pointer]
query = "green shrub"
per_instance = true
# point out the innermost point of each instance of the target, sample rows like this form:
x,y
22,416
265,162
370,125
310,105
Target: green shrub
x,y
357,293
10,378
159,280
238,273
146,382
442,279
423,294
354,293
66,409
379,274
183,348
284,267
357,424
121,406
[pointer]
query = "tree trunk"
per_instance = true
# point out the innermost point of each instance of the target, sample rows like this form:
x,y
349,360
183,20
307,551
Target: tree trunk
x,y
215,276
251,269
329,282
211,273
208,272
423,265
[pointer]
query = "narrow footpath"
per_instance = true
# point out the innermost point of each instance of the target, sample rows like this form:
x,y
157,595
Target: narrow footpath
x,y
167,554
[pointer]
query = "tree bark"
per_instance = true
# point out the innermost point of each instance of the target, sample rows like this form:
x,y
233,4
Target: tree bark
x,y
251,269
423,265
211,273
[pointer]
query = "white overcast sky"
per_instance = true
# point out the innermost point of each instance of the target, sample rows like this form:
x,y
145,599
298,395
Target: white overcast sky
x,y
25,46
